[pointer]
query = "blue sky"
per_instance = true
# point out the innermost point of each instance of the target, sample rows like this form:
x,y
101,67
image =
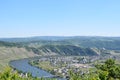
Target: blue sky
x,y
24,18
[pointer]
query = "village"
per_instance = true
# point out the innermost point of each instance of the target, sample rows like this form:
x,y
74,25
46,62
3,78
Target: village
x,y
62,65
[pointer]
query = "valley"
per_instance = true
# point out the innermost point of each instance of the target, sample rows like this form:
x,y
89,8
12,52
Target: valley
x,y
59,56
62,65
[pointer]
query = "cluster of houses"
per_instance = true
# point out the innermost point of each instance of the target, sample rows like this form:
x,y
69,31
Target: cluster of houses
x,y
65,64
79,64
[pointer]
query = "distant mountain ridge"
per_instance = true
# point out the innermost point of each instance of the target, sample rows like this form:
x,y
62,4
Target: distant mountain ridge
x,y
38,38
111,43
57,38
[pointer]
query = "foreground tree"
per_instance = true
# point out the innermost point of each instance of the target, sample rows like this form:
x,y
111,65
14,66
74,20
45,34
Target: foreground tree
x,y
109,70
9,74
105,71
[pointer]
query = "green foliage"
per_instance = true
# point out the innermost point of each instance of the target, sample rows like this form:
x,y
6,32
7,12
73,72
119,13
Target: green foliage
x,y
78,76
8,44
107,71
103,75
9,74
74,76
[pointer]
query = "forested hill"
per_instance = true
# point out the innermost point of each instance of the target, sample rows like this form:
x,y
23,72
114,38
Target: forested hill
x,y
97,42
79,45
48,48
2,43
63,50
111,43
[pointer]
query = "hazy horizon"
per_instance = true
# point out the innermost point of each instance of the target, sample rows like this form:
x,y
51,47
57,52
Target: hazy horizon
x,y
27,18
56,36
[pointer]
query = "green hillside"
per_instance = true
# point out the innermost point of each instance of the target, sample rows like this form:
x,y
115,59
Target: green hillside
x,y
67,50
10,49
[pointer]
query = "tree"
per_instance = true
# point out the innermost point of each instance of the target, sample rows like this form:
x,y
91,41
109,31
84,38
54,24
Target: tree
x,y
109,70
9,74
106,71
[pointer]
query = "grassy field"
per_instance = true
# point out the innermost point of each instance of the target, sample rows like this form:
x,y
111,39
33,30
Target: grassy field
x,y
12,53
44,65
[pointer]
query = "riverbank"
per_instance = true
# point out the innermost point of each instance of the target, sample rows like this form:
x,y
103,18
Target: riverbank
x,y
13,53
22,65
46,65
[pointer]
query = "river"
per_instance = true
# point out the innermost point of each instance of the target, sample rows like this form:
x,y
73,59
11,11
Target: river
x,y
24,66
